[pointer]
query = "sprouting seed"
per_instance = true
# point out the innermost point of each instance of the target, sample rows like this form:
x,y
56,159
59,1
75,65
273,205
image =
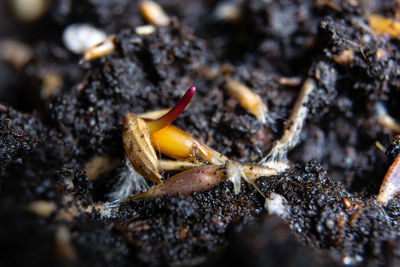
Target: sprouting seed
x,y
136,138
141,136
178,144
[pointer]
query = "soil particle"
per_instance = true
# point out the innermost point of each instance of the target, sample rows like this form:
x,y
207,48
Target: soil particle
x,y
320,216
267,241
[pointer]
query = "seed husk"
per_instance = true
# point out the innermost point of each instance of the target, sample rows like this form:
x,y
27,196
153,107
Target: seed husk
x,y
138,147
391,183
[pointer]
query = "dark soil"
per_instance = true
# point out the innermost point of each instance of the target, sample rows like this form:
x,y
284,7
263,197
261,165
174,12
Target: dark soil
x,y
333,217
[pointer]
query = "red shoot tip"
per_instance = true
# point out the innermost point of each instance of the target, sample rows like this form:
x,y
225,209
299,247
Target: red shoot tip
x,y
163,121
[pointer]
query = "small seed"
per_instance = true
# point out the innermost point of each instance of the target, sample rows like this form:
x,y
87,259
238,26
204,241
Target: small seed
x,y
345,58
42,208
187,182
102,49
382,25
30,10
145,29
15,53
153,13
249,100
384,119
290,81
228,11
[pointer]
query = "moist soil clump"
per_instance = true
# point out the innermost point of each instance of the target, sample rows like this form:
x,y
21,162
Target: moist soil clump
x,y
60,116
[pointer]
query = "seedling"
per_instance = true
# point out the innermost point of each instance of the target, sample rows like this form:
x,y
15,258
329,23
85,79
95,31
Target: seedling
x,y
136,138
141,136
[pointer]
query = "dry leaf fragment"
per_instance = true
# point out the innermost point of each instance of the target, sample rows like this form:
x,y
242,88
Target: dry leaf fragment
x,y
138,147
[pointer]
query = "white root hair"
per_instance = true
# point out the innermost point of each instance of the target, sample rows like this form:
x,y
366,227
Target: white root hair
x,y
131,182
